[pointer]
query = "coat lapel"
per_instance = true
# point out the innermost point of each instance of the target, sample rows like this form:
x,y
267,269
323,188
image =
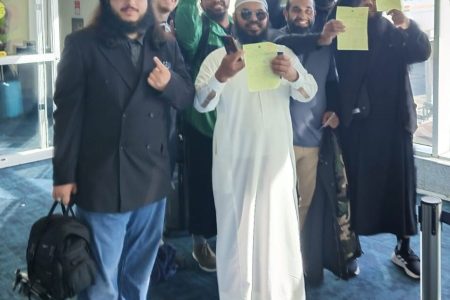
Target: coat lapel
x,y
163,53
121,61
147,63
147,66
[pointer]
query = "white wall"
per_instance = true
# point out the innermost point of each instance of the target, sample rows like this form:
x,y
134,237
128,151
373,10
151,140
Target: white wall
x,y
67,12
433,175
18,23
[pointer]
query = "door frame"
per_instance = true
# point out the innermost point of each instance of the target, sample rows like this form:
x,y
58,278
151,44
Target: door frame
x,y
43,14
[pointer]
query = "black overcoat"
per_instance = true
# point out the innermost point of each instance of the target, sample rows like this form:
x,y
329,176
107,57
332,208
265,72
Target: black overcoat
x,y
327,240
111,127
377,142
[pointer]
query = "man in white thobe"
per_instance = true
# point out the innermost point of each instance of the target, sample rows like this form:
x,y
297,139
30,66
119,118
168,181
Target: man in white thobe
x,y
258,241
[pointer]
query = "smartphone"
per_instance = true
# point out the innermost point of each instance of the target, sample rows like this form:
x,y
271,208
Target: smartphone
x,y
230,44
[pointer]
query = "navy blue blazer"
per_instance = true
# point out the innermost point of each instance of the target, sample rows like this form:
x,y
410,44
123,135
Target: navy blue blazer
x,y
110,126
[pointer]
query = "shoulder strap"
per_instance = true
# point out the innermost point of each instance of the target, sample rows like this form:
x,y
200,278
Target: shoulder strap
x,y
203,39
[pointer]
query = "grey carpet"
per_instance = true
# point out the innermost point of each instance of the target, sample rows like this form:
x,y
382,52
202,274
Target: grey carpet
x,y
25,196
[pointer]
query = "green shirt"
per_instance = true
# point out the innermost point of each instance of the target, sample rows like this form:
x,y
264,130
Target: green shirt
x,y
189,29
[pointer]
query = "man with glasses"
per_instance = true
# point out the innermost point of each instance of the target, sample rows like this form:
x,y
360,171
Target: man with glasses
x,y
198,35
258,241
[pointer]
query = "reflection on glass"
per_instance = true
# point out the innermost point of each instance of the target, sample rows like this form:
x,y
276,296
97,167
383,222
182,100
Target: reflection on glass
x,y
20,37
14,28
422,84
21,109
422,11
49,105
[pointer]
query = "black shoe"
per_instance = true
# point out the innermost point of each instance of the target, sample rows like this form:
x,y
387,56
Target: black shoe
x,y
409,261
352,267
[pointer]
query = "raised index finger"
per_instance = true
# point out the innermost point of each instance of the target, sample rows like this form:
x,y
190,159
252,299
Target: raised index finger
x,y
158,63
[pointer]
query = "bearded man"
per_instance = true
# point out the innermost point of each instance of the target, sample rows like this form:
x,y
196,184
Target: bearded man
x,y
162,10
378,115
310,118
116,82
311,137
200,33
258,240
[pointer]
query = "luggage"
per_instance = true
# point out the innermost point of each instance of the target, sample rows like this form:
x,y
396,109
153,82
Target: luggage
x,y
58,256
165,265
176,220
327,238
25,288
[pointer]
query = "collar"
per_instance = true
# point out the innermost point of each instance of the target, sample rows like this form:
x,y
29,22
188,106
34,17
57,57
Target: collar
x,y
165,26
140,39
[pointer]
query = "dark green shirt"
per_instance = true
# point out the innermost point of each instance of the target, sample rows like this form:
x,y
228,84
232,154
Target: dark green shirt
x,y
189,29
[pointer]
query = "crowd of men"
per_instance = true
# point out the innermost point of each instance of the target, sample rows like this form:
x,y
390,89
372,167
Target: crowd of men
x,y
253,158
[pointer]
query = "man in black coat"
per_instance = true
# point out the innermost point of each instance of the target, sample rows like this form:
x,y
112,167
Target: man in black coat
x,y
116,82
378,121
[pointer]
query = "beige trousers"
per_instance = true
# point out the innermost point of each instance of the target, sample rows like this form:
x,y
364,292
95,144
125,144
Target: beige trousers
x,y
306,159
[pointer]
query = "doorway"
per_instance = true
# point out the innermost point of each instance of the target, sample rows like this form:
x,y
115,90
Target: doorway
x,y
29,51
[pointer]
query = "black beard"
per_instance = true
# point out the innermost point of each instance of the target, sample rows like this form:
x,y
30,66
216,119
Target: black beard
x,y
217,17
297,29
113,22
245,38
163,10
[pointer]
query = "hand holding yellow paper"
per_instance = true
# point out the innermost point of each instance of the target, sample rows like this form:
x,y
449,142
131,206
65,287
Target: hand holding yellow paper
x,y
387,5
355,22
258,59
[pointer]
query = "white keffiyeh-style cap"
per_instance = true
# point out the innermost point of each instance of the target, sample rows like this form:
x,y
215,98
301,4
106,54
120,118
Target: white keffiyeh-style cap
x,y
240,2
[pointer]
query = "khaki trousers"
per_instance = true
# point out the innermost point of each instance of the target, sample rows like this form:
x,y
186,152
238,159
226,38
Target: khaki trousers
x,y
306,160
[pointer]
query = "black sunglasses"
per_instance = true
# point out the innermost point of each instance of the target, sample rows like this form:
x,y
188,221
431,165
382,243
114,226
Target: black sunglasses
x,y
246,14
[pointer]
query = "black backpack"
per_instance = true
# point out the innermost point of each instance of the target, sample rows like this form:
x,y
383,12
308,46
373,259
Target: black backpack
x,y
59,258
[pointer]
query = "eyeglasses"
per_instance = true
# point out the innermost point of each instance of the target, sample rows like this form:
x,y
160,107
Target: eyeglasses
x,y
246,14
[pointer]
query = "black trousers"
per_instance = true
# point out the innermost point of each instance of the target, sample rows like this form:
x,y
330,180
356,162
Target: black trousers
x,y
198,181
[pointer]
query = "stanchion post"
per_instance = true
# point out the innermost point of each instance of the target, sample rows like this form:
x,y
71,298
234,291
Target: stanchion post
x,y
430,244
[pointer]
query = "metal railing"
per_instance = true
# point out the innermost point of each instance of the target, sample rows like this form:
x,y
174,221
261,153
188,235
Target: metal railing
x,y
430,218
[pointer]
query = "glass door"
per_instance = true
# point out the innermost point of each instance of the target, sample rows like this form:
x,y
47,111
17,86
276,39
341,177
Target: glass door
x,y
421,74
29,50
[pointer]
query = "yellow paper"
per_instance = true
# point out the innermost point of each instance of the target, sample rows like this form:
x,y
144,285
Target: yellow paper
x,y
355,22
2,10
387,5
258,58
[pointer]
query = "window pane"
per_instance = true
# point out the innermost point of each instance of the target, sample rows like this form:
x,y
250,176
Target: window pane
x,y
421,74
49,105
25,103
22,25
